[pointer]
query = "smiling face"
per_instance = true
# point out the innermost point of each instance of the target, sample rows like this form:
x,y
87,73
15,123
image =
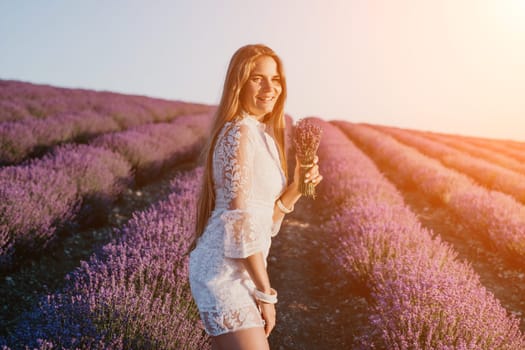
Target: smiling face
x,y
260,93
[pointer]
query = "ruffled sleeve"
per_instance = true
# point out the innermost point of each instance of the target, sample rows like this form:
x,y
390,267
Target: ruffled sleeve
x,y
236,152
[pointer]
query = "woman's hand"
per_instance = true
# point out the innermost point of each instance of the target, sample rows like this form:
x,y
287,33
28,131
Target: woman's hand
x,y
268,315
312,175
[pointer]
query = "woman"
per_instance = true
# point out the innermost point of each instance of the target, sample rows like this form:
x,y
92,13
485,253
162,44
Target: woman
x,y
243,200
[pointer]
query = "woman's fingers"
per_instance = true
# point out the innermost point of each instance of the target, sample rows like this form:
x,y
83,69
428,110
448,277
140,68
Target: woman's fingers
x,y
317,180
314,170
268,327
268,314
312,173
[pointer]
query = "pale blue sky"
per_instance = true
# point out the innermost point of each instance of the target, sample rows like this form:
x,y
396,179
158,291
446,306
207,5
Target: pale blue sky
x,y
452,65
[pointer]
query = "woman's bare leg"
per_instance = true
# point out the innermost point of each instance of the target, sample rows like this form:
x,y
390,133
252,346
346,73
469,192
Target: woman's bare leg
x,y
244,339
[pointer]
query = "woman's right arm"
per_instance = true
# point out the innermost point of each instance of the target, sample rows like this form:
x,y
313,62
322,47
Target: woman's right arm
x,y
256,268
242,241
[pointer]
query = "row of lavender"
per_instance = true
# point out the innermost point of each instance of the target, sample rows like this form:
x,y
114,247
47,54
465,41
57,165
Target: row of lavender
x,y
422,296
495,216
134,294
67,114
503,144
494,176
483,148
514,151
41,195
487,154
23,101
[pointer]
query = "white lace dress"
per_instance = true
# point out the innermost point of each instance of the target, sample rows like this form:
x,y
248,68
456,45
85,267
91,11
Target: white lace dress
x,y
248,180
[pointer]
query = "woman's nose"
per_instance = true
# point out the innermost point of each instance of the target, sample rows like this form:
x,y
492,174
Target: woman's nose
x,y
267,84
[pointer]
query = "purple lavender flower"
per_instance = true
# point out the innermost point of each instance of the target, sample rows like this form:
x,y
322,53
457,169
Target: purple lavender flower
x,y
307,137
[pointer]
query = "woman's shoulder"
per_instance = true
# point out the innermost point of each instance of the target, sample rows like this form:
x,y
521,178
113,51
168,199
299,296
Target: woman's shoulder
x,y
243,126
236,131
246,120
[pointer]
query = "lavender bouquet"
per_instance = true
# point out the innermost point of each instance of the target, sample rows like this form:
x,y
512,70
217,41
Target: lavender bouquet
x,y
307,137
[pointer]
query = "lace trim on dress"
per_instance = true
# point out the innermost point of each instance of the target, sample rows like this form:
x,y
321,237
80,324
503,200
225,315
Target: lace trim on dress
x,y
241,238
234,154
219,322
234,160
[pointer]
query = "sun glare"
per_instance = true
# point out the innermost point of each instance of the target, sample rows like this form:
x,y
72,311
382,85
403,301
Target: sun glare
x,y
509,15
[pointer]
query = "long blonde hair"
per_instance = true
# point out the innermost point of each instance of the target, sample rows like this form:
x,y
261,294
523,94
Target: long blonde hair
x,y
239,69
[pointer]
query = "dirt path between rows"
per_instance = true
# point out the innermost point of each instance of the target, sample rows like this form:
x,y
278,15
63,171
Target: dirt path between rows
x,y
316,309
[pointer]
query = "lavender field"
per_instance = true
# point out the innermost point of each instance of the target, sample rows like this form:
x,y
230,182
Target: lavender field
x,y
416,240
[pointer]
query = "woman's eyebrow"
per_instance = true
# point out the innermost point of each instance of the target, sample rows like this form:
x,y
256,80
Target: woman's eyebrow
x,y
262,75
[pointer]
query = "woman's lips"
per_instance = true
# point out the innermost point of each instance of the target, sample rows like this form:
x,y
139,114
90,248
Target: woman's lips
x,y
266,99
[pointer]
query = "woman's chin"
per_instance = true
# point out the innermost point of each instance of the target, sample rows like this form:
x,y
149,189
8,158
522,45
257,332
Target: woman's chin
x,y
267,109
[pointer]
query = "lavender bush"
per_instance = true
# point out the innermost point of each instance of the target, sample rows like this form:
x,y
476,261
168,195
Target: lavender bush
x,y
153,147
498,147
64,115
16,141
489,174
496,217
421,296
39,196
99,172
135,294
475,151
507,143
10,110
33,199
21,100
